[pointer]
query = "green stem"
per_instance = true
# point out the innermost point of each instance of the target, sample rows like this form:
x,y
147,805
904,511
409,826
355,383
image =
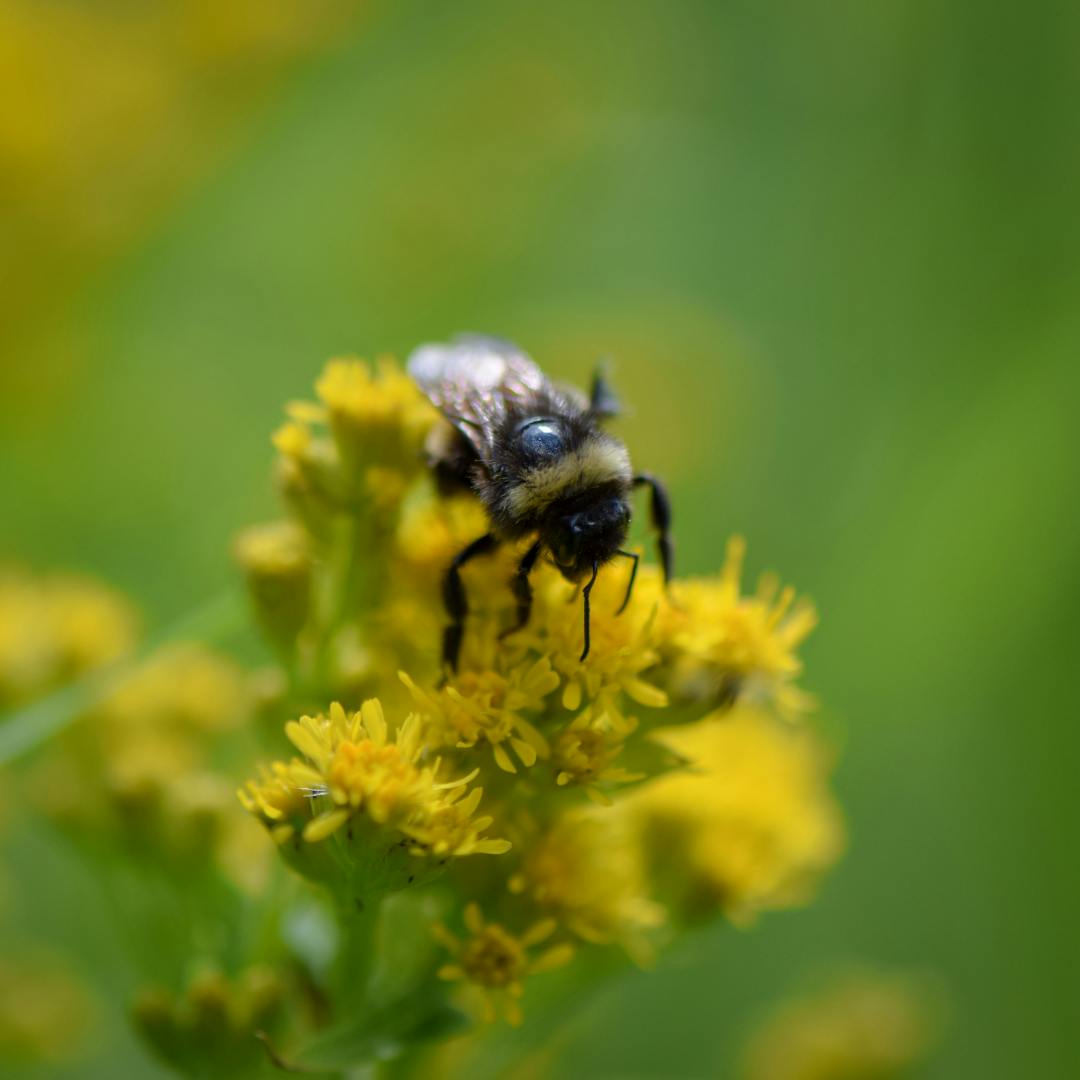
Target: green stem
x,y
358,921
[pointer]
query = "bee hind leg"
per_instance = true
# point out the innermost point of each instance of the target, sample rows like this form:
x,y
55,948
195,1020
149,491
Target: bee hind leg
x,y
455,600
523,590
585,594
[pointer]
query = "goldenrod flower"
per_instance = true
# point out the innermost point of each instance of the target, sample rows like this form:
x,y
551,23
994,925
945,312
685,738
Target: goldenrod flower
x,y
277,561
749,824
491,706
276,800
584,755
497,962
624,646
307,474
379,420
431,532
587,871
354,770
733,813
724,646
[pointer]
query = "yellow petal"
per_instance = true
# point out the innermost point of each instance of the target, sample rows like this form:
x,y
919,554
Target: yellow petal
x,y
514,1015
524,751
492,847
644,694
555,957
502,758
321,827
374,721
474,921
571,697
305,740
538,932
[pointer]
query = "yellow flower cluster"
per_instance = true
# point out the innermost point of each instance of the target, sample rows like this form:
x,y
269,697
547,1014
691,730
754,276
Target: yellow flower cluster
x,y
358,449
138,764
355,774
497,961
724,646
54,628
634,793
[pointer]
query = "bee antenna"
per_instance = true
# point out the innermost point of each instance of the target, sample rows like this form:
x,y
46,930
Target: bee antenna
x,y
585,593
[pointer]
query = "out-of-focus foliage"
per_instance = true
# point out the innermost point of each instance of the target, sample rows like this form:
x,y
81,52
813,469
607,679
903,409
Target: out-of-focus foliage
x,y
833,252
109,111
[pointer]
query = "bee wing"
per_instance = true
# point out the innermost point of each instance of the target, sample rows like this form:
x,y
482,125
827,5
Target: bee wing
x,y
473,380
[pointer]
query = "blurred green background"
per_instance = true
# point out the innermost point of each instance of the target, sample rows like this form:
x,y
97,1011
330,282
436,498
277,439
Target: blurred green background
x,y
833,249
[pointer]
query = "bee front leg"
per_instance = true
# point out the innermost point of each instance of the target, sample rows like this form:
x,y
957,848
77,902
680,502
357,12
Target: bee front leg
x,y
522,589
586,593
455,600
660,513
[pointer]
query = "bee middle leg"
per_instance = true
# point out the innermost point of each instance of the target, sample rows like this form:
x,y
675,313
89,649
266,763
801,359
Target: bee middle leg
x,y
633,577
522,589
660,512
455,600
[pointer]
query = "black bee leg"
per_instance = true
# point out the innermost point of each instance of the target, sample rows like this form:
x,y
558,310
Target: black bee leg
x,y
585,593
457,604
633,577
660,511
522,589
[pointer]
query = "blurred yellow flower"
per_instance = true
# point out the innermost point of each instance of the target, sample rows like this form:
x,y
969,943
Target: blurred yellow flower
x,y
276,559
211,1027
587,871
45,1011
137,765
497,961
860,1025
749,824
54,628
184,687
377,415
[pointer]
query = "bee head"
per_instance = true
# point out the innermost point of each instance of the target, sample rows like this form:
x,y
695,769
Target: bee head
x,y
591,535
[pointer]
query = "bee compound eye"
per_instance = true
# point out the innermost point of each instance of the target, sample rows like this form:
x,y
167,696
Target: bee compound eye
x,y
541,438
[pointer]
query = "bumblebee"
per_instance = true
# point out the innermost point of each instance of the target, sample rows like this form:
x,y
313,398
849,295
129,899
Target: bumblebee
x,y
538,459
